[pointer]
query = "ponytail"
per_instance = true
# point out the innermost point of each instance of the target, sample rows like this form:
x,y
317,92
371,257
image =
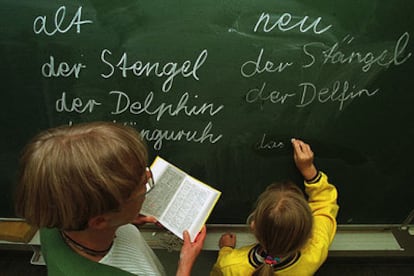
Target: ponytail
x,y
264,270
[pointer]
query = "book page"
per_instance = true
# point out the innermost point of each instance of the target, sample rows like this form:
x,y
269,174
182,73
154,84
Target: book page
x,y
189,208
168,180
178,201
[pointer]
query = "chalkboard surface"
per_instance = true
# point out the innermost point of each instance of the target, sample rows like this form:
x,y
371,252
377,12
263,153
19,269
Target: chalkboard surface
x,y
219,88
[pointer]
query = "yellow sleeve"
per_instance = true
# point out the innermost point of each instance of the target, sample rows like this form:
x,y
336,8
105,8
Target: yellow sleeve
x,y
216,270
323,203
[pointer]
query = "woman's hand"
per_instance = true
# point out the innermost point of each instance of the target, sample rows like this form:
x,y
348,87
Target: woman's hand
x,y
141,220
190,251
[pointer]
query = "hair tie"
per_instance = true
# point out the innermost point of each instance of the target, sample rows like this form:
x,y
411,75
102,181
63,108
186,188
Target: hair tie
x,y
271,261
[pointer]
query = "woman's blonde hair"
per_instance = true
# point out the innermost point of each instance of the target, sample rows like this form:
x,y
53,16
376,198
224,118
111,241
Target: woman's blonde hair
x,y
282,222
70,174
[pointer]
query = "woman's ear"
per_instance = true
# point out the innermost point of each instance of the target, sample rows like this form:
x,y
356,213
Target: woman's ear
x,y
98,222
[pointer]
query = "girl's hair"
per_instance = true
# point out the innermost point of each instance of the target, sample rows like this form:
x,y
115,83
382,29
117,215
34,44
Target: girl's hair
x,y
282,222
70,174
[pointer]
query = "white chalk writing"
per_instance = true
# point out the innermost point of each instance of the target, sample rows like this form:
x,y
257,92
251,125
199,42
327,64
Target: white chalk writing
x,y
265,144
64,69
267,63
284,23
75,105
140,68
260,95
40,22
256,66
159,136
123,104
309,93
334,55
338,92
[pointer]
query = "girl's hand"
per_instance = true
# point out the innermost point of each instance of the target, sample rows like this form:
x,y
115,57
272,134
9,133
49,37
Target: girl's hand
x,y
227,239
303,156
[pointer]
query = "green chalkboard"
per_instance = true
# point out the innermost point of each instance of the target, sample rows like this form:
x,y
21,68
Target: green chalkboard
x,y
219,88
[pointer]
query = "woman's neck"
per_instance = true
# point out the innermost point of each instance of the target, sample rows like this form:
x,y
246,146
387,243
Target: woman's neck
x,y
91,243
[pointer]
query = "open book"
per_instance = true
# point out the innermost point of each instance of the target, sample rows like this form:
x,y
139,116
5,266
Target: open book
x,y
178,201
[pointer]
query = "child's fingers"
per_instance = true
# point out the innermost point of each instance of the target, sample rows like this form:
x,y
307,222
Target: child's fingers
x,y
306,149
227,239
301,148
296,145
228,235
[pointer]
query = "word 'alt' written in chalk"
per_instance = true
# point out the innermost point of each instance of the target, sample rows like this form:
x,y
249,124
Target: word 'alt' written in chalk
x,y
41,22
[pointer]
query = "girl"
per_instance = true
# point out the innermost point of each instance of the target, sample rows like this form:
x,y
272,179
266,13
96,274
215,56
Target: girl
x,y
293,234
